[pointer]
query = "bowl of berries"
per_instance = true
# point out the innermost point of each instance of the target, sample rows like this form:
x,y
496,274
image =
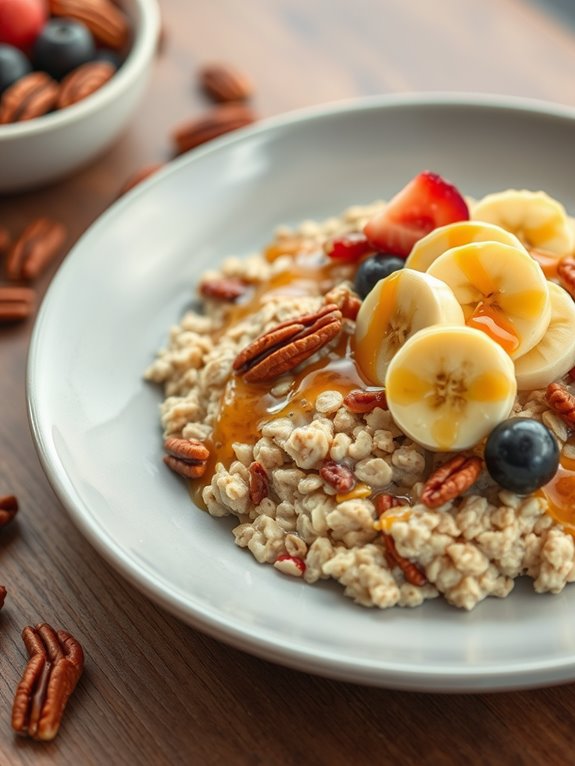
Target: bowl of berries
x,y
72,72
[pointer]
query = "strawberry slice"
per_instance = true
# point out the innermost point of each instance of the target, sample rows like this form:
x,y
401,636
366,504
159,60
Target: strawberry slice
x,y
428,201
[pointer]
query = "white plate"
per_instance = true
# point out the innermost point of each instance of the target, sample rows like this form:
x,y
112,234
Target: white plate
x,y
95,421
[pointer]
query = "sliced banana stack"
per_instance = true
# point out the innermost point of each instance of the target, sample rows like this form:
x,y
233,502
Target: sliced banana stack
x,y
397,307
502,291
447,387
538,220
554,355
437,242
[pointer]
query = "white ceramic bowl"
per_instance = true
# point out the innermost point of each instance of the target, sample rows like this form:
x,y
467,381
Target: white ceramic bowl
x,y
40,151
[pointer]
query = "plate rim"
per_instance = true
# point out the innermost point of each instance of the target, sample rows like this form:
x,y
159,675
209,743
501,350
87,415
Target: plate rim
x,y
394,675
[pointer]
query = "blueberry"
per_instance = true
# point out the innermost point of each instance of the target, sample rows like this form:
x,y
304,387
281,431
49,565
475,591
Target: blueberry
x,y
373,269
13,66
63,45
521,455
105,54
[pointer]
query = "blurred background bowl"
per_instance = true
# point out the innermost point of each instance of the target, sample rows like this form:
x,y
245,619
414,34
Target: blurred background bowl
x,y
39,151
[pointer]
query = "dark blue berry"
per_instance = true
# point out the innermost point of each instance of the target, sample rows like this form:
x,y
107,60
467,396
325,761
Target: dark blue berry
x,y
13,66
104,54
521,455
63,45
373,269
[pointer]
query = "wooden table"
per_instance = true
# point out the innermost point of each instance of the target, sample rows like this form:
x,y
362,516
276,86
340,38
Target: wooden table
x,y
155,691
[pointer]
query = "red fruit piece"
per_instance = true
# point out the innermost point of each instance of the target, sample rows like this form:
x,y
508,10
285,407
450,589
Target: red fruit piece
x,y
21,21
348,248
428,201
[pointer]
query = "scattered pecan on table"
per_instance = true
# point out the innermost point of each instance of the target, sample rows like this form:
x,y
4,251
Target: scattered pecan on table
x,y
35,248
562,402
287,345
359,401
55,664
16,303
259,484
224,82
186,457
218,121
8,509
83,81
450,480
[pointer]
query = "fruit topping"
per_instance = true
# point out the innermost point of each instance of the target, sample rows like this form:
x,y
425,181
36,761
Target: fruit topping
x,y
13,66
372,269
21,21
521,455
348,248
428,201
63,45
448,386
396,309
502,290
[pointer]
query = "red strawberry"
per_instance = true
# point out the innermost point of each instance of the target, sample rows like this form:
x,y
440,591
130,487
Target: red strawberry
x,y
427,202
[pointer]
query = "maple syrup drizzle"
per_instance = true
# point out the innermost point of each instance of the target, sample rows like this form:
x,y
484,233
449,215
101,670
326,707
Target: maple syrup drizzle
x,y
560,493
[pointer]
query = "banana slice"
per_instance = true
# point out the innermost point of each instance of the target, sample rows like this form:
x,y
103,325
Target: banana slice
x,y
538,220
448,387
502,290
426,250
396,308
553,356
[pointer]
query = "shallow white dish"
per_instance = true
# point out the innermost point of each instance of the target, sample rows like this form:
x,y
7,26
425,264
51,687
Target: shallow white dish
x,y
95,420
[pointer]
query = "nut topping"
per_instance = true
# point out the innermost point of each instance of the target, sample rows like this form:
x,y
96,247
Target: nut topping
x,y
360,402
411,572
346,301
450,480
35,248
561,402
566,274
55,664
220,120
258,483
186,457
103,18
8,509
224,289
338,476
16,304
30,97
225,83
384,502
287,345
84,81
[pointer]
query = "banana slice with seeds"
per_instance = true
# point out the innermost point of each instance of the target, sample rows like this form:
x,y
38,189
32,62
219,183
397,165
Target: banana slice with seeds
x,y
502,290
554,355
437,242
396,308
538,220
449,386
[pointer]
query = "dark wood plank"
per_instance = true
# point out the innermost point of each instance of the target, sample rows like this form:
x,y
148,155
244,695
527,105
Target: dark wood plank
x,y
155,691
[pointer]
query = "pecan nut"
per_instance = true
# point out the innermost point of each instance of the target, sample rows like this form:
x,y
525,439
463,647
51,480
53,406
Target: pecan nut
x,y
8,509
220,120
384,502
29,97
225,83
83,81
104,19
224,289
411,572
258,483
55,664
287,345
16,304
34,250
3,593
562,402
566,274
338,476
360,402
347,301
139,176
450,480
186,457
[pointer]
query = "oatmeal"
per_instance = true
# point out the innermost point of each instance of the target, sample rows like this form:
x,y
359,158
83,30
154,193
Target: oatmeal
x,y
401,423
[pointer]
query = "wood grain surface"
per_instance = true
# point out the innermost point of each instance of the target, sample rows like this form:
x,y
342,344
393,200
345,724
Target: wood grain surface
x,y
154,690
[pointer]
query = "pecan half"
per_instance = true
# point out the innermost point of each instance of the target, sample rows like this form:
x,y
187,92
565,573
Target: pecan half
x,y
411,572
83,81
561,402
31,96
338,476
8,509
347,301
186,457
55,664
224,289
566,274
16,304
104,19
35,248
258,483
217,122
139,176
450,480
223,82
3,593
287,345
384,502
360,402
